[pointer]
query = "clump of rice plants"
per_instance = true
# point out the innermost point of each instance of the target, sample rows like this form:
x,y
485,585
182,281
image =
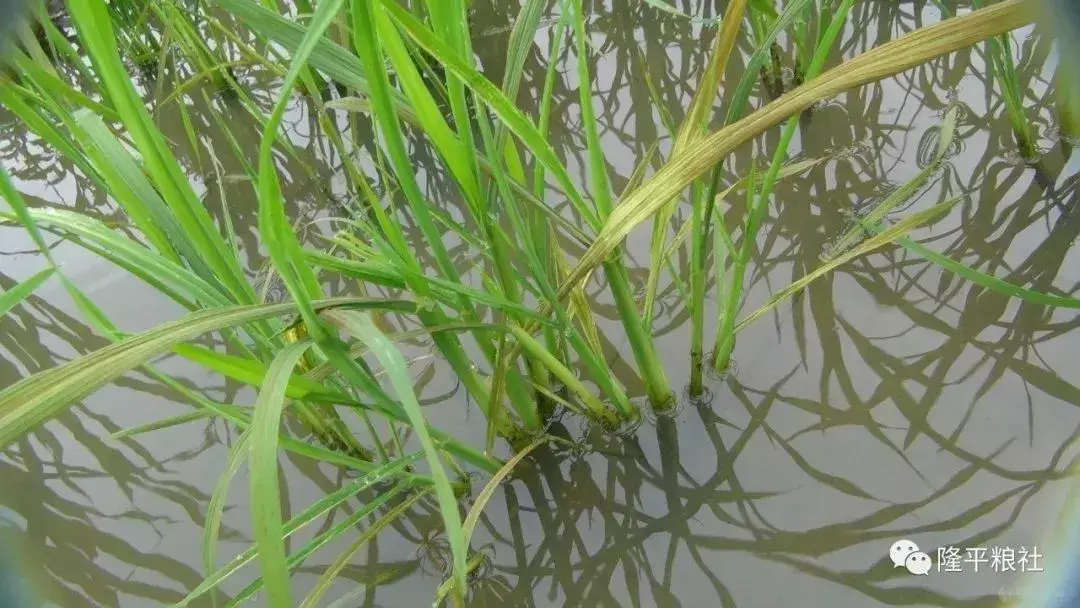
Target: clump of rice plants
x,y
517,330
1002,79
1068,107
1055,19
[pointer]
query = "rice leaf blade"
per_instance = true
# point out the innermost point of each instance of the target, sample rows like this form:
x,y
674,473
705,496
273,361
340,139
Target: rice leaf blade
x,y
893,57
34,400
880,240
263,471
13,297
393,362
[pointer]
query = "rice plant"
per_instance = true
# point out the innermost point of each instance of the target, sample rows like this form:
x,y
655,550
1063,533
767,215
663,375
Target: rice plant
x,y
1002,79
511,319
1058,16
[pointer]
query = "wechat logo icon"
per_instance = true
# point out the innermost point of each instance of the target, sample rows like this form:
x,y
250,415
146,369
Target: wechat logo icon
x,y
905,553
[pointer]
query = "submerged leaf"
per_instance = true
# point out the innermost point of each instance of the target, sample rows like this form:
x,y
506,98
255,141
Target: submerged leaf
x,y
882,239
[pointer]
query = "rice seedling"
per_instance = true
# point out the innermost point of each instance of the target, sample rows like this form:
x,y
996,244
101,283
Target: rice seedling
x,y
1066,106
511,320
1001,71
799,26
725,335
1062,20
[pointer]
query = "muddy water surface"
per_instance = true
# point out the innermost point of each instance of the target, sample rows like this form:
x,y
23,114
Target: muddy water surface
x,y
891,400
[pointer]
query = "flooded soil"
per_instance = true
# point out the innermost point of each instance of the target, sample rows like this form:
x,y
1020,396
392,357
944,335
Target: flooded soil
x,y
890,401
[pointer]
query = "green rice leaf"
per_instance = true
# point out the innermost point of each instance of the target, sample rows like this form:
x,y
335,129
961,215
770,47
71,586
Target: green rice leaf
x,y
277,234
31,110
361,326
741,97
890,58
253,372
426,110
95,29
346,556
493,484
327,56
692,128
337,531
14,296
502,107
48,83
168,277
324,505
129,187
216,509
165,423
983,279
34,400
904,192
263,471
884,238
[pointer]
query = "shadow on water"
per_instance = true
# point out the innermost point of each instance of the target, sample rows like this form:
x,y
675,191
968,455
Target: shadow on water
x,y
891,400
